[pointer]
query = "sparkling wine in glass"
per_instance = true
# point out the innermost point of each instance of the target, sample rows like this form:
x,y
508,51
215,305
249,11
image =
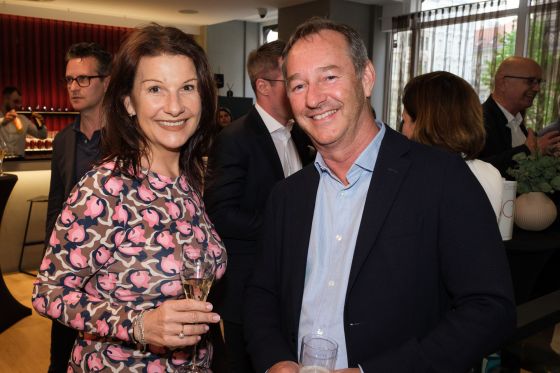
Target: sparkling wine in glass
x,y
197,276
197,288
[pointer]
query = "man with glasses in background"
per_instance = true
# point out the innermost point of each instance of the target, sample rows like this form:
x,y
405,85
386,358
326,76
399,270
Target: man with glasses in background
x,y
517,82
248,157
75,149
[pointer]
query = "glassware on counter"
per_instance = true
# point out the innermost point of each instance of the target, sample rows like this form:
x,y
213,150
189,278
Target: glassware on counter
x,y
33,144
3,152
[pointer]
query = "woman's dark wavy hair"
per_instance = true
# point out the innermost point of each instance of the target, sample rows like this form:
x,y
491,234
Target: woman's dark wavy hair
x,y
123,139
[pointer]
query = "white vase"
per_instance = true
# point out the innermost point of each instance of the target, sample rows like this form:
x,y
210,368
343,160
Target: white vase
x,y
534,211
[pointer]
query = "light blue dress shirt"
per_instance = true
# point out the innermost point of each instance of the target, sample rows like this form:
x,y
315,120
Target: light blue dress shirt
x,y
336,221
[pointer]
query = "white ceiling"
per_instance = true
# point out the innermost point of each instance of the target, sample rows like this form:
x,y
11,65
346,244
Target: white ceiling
x,y
131,13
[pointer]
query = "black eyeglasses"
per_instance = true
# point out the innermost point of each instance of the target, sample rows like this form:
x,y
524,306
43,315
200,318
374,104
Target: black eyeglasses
x,y
82,80
274,80
531,80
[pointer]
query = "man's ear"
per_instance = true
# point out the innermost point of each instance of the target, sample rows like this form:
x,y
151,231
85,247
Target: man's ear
x,y
129,107
500,84
368,79
262,86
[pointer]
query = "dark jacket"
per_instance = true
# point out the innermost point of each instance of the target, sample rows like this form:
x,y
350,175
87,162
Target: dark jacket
x,y
243,166
497,148
429,288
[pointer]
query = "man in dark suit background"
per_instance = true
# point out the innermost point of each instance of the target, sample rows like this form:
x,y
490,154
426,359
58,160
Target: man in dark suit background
x,y
75,149
248,157
516,84
385,245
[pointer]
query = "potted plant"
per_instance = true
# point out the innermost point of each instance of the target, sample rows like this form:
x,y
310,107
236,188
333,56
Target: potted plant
x,y
536,176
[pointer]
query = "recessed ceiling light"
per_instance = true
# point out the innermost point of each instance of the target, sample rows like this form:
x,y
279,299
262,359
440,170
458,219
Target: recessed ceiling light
x,y
188,11
38,1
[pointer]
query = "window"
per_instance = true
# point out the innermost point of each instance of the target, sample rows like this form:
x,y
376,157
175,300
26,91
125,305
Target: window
x,y
471,40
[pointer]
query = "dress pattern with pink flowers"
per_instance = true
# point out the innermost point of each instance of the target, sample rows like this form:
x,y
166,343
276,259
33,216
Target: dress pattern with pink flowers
x,y
117,249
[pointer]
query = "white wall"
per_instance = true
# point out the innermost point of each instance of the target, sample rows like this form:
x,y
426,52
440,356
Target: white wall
x,y
290,17
252,42
380,53
228,45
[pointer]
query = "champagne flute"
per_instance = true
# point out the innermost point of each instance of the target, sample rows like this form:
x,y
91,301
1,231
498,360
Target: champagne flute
x,y
197,276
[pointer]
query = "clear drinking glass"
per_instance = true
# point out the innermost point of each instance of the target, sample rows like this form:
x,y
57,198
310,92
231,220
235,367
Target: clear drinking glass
x,y
3,152
197,276
318,354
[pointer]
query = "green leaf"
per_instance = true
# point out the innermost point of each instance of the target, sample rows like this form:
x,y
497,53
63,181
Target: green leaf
x,y
555,182
536,173
545,187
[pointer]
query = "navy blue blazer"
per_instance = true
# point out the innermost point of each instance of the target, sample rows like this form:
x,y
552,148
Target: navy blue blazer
x,y
243,166
429,287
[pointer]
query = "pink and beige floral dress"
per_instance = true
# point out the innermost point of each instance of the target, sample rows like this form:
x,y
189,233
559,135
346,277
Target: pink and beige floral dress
x,y
117,249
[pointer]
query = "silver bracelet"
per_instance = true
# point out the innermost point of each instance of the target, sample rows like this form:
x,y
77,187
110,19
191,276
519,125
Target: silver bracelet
x,y
139,327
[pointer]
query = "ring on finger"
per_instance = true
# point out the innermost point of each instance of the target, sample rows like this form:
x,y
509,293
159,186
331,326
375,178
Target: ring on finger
x,y
181,334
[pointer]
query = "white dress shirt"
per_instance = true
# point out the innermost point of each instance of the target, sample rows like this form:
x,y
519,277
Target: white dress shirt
x,y
283,142
514,123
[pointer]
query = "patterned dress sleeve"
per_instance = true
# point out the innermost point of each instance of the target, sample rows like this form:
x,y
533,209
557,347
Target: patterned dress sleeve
x,y
81,243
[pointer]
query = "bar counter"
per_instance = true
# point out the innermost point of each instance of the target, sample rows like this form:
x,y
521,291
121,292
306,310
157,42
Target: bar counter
x,y
12,311
33,173
33,161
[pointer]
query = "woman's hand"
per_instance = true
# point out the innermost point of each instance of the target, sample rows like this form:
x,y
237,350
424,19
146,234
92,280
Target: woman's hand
x,y
178,323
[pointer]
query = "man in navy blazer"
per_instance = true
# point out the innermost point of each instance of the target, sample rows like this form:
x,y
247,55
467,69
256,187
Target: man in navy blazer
x,y
385,245
248,157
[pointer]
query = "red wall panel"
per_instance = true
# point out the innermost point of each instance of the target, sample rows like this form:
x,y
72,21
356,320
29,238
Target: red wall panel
x,y
32,58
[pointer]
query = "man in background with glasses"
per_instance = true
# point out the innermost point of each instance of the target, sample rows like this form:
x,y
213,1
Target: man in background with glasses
x,y
14,126
75,149
517,82
248,157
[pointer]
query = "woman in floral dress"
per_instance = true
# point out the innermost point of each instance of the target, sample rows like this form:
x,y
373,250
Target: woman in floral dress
x,y
111,270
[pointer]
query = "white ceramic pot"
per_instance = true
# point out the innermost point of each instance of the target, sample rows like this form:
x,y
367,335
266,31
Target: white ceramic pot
x,y
534,211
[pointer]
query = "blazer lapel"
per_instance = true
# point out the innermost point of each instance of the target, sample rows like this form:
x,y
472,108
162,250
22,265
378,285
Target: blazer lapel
x,y
501,119
264,141
303,145
387,177
301,211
